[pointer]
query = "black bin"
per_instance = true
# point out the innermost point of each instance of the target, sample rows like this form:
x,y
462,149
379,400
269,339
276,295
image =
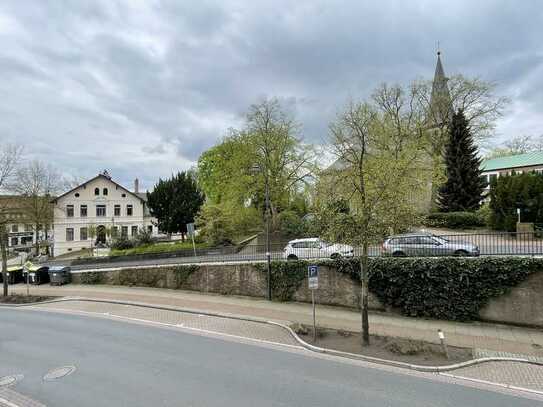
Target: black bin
x,y
14,275
38,275
59,275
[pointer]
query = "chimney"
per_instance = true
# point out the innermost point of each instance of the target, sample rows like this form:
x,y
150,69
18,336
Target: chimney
x,y
136,186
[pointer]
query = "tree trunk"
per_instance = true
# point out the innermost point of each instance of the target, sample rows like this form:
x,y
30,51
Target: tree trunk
x,y
364,280
37,241
3,237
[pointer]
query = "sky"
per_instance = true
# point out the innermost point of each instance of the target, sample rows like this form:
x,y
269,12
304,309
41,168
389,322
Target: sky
x,y
142,88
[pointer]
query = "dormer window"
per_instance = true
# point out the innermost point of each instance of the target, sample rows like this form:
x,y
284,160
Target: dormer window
x,y
96,191
104,192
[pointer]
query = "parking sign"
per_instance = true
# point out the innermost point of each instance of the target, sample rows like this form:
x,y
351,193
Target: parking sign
x,y
313,277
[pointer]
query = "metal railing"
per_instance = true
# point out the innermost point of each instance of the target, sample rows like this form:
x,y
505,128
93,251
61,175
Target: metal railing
x,y
412,245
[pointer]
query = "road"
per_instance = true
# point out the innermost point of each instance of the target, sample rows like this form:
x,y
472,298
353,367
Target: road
x,y
123,364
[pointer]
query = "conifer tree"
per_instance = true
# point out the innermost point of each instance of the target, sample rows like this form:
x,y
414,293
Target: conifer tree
x,y
464,187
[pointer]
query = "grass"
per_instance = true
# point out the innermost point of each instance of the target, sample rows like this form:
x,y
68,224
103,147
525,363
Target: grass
x,y
158,248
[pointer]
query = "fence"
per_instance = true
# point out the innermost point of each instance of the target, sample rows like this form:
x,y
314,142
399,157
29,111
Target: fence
x,y
472,244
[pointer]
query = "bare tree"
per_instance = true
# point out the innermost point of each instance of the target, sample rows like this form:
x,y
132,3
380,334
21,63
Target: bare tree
x,y
516,145
37,183
378,171
9,159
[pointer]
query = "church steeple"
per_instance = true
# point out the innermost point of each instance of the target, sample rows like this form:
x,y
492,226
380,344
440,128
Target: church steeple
x,y
441,109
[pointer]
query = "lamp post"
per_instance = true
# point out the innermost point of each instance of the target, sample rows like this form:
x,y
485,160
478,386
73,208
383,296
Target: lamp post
x,y
256,169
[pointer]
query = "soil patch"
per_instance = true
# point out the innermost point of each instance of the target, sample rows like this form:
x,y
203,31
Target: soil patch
x,y
383,347
24,299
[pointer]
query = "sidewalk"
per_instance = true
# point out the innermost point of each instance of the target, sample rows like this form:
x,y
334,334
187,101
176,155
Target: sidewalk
x,y
499,338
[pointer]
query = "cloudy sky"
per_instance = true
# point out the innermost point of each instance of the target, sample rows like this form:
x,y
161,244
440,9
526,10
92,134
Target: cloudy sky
x,y
143,87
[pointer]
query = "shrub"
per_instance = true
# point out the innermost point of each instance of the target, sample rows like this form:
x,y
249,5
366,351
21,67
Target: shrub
x,y
522,191
215,225
455,220
122,243
144,237
290,224
449,288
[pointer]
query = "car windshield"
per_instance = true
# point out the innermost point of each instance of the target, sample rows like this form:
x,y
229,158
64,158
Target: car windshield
x,y
440,239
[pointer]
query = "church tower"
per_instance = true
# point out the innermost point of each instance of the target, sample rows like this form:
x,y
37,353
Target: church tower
x,y
441,109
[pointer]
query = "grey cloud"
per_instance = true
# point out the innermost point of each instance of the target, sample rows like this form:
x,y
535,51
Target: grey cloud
x,y
159,82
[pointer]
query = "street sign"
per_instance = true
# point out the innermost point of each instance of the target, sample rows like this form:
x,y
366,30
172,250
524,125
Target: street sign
x,y
313,277
190,229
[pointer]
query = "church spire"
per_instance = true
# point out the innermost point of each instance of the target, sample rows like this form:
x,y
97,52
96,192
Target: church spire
x,y
441,108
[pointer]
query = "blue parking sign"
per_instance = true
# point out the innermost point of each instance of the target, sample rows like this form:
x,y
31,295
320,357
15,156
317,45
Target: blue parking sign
x,y
313,277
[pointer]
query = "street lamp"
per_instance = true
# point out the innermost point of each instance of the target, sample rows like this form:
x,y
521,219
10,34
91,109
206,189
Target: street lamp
x,y
255,169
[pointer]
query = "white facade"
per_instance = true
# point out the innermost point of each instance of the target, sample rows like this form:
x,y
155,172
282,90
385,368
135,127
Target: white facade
x,y
103,205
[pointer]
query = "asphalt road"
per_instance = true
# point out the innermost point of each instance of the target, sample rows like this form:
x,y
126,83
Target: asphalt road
x,y
122,364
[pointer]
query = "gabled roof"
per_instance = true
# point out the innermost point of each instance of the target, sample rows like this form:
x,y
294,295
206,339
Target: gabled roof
x,y
513,161
139,195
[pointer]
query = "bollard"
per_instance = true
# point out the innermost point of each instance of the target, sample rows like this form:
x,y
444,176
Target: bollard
x,y
443,343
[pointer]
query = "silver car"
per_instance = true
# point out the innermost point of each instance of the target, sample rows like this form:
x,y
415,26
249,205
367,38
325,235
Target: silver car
x,y
423,244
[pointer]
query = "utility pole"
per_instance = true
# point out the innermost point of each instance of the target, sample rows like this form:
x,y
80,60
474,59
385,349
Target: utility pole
x,y
3,237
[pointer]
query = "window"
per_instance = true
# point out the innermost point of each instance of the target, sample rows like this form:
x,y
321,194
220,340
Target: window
x,y
77,194
14,241
150,228
117,210
124,231
114,231
15,228
104,191
69,234
493,178
83,235
83,211
100,210
123,195
129,210
70,211
96,191
134,230
28,228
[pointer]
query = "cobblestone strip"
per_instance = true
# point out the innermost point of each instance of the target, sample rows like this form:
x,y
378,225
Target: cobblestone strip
x,y
10,398
486,353
515,374
221,325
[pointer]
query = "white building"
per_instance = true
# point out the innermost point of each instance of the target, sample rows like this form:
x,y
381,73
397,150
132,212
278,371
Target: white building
x,y
102,205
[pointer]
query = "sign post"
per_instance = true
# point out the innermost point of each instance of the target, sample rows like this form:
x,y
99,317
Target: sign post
x,y
313,283
190,231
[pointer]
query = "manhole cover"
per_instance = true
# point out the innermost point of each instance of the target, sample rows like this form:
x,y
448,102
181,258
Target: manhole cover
x,y
59,373
9,380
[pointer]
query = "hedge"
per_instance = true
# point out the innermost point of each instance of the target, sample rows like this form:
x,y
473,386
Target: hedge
x,y
455,220
450,288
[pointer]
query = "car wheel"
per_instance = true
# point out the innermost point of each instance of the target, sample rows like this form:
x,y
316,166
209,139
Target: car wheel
x,y
335,256
460,253
292,257
398,254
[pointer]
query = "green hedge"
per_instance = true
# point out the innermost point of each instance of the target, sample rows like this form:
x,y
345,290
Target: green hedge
x,y
448,288
455,220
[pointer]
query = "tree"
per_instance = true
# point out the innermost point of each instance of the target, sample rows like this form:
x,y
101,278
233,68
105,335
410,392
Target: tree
x,y
9,159
175,202
463,190
516,145
380,171
267,150
37,183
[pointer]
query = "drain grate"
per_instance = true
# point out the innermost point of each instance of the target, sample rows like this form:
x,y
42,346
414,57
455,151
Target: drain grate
x,y
9,380
58,373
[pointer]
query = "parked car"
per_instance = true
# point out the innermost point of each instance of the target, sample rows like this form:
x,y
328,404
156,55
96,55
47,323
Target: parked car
x,y
314,248
423,244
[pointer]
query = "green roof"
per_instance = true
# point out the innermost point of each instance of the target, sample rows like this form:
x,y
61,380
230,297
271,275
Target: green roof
x,y
513,161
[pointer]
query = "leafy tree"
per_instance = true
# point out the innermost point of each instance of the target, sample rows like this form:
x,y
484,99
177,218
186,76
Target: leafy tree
x,y
517,191
267,150
463,190
215,225
379,173
175,202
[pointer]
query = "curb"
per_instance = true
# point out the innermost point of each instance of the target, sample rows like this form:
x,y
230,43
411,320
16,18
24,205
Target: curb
x,y
305,345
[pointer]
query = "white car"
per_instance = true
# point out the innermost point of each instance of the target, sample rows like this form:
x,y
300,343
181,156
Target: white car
x,y
315,248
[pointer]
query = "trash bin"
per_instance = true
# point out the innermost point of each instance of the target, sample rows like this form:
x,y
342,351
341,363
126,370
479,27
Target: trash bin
x,y
15,274
37,274
59,275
